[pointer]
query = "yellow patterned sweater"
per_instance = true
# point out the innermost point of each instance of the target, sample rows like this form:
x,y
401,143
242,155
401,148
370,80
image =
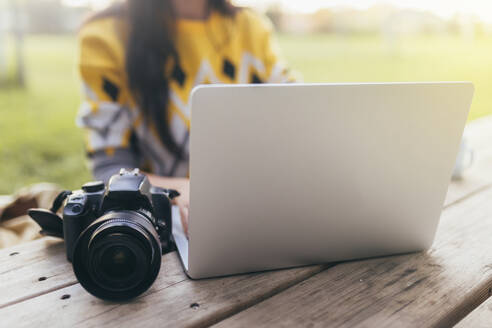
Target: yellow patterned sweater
x,y
220,49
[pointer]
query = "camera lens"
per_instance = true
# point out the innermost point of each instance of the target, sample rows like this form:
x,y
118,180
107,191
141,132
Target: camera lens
x,y
118,256
118,262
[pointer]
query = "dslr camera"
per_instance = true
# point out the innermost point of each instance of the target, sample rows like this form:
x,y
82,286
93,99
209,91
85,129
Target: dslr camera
x,y
115,235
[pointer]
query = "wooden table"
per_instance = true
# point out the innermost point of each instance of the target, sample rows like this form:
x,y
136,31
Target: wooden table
x,y
438,288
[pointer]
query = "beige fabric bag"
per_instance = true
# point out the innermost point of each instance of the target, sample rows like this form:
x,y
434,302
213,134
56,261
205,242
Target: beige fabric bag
x,y
15,225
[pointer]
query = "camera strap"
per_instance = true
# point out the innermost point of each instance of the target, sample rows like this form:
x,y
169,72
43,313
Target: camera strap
x,y
58,202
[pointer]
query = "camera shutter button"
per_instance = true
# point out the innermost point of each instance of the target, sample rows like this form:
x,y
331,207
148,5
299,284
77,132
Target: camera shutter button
x,y
94,186
77,209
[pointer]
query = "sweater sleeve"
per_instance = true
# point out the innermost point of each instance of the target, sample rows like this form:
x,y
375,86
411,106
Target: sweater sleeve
x,y
105,114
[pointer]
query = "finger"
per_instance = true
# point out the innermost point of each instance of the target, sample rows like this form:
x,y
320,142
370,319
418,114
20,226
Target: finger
x,y
183,211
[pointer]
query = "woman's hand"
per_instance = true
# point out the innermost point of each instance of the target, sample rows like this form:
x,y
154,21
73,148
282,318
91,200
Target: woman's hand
x,y
183,201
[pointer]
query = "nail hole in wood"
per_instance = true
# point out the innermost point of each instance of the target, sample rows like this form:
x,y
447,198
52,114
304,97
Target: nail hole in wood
x,y
194,305
42,278
65,297
14,253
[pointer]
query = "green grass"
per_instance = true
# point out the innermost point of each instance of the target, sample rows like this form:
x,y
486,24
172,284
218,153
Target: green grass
x,y
324,58
38,137
40,142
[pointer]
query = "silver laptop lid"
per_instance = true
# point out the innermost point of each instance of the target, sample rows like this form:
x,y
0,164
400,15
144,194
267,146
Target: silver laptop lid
x,y
288,175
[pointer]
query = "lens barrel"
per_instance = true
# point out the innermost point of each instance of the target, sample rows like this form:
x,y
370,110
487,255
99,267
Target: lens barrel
x,y
118,256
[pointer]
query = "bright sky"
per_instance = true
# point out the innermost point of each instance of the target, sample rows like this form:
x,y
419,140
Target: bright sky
x,y
444,8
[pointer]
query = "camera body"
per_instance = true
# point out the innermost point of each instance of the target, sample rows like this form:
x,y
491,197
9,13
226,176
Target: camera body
x,y
127,191
114,235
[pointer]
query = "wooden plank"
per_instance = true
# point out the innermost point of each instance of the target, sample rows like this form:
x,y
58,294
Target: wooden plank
x,y
474,183
40,267
430,289
481,317
172,301
479,137
19,281
479,134
216,298
32,269
45,258
476,179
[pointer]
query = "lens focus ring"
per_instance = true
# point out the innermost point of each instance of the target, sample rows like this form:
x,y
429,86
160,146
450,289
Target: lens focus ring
x,y
118,256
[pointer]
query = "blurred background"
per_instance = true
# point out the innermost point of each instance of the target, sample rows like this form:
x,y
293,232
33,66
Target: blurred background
x,y
325,41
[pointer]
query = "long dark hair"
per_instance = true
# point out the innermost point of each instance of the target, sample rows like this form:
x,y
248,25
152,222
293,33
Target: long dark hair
x,y
150,46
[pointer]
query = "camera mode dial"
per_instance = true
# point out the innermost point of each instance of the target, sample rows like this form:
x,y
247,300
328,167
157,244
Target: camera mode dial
x,y
93,186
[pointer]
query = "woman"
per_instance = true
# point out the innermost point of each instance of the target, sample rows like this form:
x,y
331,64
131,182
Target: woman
x,y
139,62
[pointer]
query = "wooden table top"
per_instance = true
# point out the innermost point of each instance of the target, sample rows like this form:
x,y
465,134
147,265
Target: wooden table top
x,y
438,288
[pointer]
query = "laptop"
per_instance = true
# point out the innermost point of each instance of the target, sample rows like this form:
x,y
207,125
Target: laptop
x,y
297,174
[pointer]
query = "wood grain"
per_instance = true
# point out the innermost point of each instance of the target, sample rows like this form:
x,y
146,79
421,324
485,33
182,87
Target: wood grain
x,y
481,317
45,258
32,269
356,291
40,267
172,301
433,289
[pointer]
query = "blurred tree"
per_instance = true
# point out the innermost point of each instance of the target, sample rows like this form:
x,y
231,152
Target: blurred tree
x,y
44,16
323,21
53,16
11,69
479,29
453,25
3,43
275,14
3,56
17,29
